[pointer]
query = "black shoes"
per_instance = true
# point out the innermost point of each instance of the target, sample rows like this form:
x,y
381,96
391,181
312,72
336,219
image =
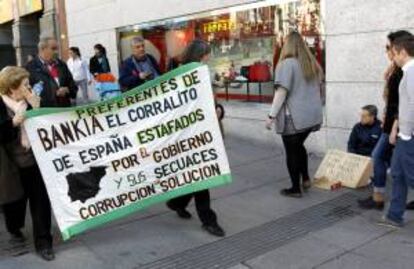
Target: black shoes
x,y
182,213
46,254
214,229
369,203
410,205
17,237
291,193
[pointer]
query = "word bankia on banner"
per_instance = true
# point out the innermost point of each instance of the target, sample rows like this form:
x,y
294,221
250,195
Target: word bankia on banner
x,y
106,160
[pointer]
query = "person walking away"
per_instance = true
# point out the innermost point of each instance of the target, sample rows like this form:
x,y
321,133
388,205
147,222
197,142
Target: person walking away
x,y
16,97
99,63
381,155
296,107
139,68
50,77
80,72
197,51
365,134
402,164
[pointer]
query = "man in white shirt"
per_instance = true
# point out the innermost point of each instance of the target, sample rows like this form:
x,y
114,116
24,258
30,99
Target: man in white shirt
x,y
402,165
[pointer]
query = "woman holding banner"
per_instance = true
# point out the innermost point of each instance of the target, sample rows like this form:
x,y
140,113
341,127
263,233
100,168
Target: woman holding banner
x,y
197,51
297,107
15,98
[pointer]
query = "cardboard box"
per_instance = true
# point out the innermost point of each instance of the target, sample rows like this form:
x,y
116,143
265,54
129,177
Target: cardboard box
x,y
352,170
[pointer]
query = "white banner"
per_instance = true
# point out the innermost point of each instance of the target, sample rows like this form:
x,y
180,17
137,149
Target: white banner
x,y
107,160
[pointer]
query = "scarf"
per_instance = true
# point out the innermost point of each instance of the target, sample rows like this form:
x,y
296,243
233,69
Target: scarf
x,y
18,107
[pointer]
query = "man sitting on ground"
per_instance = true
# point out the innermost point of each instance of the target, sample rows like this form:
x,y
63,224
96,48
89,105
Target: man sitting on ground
x,y
365,134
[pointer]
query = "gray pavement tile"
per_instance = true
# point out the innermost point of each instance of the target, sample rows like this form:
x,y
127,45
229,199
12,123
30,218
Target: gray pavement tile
x,y
396,246
303,253
352,233
74,256
353,261
147,240
257,206
239,266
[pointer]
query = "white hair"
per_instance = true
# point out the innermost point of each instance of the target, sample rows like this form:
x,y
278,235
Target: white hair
x,y
44,42
137,39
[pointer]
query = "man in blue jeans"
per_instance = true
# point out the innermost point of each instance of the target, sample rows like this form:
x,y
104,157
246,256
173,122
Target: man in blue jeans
x,y
381,155
402,164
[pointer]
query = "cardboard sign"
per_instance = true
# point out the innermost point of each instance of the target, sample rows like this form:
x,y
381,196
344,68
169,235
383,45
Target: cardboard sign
x,y
104,161
352,170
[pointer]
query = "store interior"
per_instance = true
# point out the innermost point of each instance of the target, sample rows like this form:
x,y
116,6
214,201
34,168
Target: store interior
x,y
246,42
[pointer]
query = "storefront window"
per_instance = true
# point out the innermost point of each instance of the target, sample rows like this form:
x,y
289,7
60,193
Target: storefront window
x,y
246,42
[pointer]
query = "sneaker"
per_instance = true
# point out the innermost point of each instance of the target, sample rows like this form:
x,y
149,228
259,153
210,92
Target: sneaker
x,y
181,213
410,205
214,229
385,221
291,193
46,254
369,203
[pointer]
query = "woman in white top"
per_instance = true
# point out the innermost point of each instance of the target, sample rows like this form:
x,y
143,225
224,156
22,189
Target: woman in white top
x,y
80,72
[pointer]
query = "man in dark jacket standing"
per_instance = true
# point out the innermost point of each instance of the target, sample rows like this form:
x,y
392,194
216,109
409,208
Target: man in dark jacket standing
x,y
139,68
365,134
50,77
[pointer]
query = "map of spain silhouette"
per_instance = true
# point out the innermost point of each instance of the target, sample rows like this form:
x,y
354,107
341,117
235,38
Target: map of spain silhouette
x,y
85,185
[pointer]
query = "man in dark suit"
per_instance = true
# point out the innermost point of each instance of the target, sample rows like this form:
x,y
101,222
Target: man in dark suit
x,y
50,77
139,68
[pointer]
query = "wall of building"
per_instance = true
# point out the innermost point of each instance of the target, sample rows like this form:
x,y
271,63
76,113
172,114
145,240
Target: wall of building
x,y
19,37
356,37
355,43
6,45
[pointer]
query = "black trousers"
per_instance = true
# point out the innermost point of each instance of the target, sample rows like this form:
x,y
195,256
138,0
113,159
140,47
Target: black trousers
x,y
36,194
202,202
296,158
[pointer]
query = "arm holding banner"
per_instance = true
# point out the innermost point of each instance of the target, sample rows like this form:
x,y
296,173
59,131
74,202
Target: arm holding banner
x,y
129,77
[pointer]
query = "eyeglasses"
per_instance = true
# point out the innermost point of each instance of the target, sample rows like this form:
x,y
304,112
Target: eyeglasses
x,y
54,48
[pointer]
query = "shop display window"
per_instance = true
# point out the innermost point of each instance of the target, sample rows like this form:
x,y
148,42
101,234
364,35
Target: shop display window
x,y
246,42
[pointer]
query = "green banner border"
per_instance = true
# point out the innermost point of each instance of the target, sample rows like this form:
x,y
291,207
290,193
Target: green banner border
x,y
132,208
176,72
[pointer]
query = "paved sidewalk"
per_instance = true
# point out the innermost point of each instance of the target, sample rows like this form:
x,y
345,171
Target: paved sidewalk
x,y
264,230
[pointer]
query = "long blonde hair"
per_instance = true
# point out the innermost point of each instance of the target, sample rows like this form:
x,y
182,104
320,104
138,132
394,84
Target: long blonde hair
x,y
295,47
